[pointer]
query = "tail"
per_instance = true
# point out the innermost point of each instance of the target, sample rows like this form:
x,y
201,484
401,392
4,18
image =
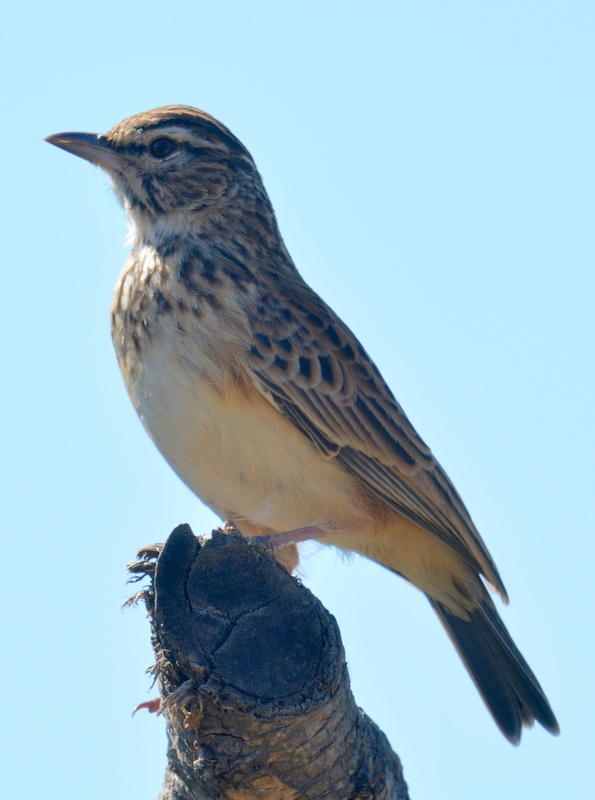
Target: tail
x,y
504,679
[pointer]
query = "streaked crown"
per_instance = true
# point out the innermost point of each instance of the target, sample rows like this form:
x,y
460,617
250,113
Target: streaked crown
x,y
187,126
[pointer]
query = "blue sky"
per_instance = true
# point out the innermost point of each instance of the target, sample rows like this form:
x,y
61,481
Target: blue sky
x,y
432,169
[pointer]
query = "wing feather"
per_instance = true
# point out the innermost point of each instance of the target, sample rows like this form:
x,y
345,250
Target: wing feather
x,y
307,362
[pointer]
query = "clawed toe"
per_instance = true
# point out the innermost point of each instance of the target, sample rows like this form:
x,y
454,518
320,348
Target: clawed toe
x,y
153,706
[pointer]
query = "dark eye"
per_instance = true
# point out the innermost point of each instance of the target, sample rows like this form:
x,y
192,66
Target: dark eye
x,y
162,147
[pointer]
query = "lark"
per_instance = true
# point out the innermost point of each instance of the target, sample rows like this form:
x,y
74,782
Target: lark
x,y
265,403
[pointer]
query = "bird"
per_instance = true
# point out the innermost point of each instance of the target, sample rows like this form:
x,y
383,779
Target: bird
x,y
266,404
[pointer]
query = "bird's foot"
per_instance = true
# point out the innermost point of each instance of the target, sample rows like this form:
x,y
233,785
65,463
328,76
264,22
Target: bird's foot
x,y
153,706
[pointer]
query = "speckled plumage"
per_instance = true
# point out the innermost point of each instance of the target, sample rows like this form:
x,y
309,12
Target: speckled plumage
x,y
266,404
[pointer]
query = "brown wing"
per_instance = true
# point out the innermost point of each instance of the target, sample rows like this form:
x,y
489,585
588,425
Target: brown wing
x,y
309,364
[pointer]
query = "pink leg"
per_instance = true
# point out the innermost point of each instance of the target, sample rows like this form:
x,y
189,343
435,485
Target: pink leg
x,y
276,540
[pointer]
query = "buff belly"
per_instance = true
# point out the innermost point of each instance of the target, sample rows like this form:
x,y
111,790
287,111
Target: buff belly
x,y
238,453
252,466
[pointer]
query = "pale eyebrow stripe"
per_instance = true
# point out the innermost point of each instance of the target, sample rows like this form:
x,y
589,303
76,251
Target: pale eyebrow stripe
x,y
184,135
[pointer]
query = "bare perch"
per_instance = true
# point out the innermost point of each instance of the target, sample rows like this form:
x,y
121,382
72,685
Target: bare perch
x,y
253,681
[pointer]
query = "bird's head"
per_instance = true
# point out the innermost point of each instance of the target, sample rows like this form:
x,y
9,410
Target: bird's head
x,y
171,167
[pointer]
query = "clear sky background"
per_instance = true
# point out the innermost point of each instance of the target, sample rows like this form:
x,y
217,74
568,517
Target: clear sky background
x,y
431,164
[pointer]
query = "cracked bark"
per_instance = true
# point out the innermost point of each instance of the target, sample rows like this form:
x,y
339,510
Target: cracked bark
x,y
253,681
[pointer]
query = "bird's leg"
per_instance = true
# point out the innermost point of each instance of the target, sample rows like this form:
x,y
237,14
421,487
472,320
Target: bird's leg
x,y
283,545
277,540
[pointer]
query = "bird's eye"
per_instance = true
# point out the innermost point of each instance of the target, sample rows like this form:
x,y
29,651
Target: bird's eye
x,y
162,147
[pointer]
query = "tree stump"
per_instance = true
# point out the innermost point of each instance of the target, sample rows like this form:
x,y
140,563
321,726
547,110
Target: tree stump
x,y
253,680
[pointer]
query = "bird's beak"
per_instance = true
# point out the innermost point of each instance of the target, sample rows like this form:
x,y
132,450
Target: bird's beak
x,y
91,147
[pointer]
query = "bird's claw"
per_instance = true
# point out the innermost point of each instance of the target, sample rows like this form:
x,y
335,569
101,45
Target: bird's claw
x,y
153,706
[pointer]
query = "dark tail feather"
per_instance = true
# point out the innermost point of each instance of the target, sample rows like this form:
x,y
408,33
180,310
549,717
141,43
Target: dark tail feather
x,y
504,679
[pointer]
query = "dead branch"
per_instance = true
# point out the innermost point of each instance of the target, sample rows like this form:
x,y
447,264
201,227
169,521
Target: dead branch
x,y
253,681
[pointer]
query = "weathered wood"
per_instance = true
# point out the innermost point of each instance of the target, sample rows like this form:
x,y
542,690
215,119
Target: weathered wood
x,y
253,680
